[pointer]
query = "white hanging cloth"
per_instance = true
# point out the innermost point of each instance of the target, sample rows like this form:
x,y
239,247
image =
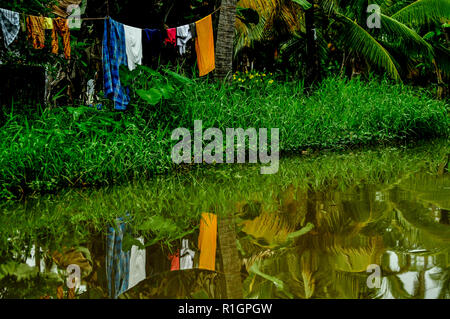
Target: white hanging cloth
x,y
183,36
133,44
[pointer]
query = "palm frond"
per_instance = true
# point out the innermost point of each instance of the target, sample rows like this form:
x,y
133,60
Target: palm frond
x,y
303,3
356,39
408,38
423,12
330,6
247,35
285,15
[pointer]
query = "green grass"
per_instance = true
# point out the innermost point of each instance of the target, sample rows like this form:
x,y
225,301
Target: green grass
x,y
339,113
76,147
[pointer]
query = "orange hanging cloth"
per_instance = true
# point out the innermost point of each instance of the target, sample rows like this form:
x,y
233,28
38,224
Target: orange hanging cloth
x,y
36,32
61,26
204,46
207,242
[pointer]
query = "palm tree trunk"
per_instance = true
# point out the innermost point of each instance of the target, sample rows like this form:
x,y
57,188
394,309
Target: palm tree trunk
x,y
441,86
312,64
225,40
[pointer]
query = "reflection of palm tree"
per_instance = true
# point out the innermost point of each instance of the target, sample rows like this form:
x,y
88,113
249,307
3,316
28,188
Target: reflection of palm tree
x,y
334,246
349,235
444,217
229,258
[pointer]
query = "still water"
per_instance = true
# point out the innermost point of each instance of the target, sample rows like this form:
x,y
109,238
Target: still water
x,y
381,237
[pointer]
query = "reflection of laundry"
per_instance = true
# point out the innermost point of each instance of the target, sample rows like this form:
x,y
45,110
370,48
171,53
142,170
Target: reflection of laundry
x,y
133,43
175,261
31,260
207,241
10,25
117,261
137,265
157,261
186,256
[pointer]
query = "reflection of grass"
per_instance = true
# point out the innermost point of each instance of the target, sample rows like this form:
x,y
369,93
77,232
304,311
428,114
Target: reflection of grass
x,y
167,207
76,147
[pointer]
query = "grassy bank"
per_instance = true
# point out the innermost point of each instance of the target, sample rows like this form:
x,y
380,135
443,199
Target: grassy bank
x,y
73,147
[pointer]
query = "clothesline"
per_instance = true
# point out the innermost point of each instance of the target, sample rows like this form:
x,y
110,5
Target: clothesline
x,y
79,19
108,17
214,12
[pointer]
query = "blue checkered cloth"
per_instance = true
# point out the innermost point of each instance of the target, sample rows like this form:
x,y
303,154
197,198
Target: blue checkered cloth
x,y
114,55
10,25
117,260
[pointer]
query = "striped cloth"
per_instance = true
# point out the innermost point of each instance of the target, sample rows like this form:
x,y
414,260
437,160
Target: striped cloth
x,y
10,24
114,55
36,31
61,27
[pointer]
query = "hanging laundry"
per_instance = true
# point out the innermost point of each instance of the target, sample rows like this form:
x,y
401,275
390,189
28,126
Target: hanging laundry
x,y
48,23
137,265
171,38
183,36
151,44
10,25
36,33
175,261
61,27
207,241
186,256
117,261
133,43
204,46
90,92
114,55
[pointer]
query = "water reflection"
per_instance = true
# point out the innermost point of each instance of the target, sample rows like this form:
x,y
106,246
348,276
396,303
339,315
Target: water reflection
x,y
289,242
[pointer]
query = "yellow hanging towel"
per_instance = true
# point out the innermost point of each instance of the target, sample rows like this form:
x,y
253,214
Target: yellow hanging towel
x,y
48,23
207,242
204,46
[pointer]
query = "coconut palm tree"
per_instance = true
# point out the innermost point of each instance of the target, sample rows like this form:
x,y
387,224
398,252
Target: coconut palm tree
x,y
225,39
396,47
